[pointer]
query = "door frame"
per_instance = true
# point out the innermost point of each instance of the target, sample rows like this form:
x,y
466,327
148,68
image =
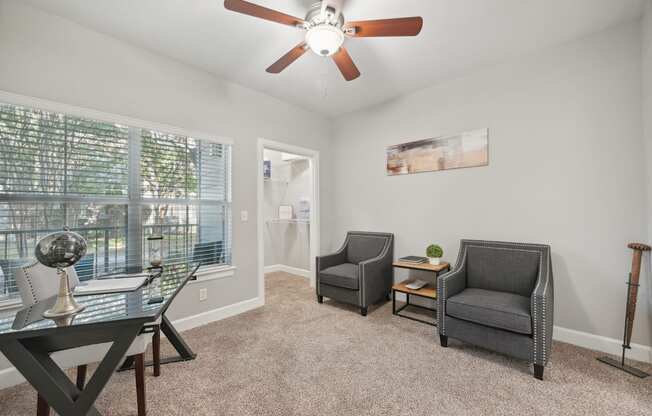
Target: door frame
x,y
313,156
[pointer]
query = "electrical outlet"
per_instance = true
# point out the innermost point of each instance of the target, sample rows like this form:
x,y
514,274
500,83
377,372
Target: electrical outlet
x,y
244,216
203,294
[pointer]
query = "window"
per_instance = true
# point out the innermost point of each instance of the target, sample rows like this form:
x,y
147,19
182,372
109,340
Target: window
x,y
116,185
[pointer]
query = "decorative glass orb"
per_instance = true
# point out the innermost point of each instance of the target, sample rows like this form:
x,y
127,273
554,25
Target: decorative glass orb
x,y
61,249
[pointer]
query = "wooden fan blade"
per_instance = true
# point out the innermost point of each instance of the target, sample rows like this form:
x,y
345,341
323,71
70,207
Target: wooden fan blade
x,y
345,64
261,12
294,54
404,26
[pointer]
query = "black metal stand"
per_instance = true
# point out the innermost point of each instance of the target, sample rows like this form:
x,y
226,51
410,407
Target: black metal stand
x,y
620,364
407,303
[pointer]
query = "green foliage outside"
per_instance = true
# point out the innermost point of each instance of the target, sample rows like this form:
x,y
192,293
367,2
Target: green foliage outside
x,y
64,157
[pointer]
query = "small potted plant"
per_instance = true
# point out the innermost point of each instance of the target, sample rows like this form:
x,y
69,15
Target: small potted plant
x,y
434,253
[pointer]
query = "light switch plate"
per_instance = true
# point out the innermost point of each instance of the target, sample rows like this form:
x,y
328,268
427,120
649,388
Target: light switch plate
x,y
244,216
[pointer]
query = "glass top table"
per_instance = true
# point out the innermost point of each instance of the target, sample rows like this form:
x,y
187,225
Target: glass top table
x,y
27,338
101,307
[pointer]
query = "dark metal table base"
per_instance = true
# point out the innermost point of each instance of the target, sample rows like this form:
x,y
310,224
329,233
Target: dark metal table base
x,y
31,357
407,303
183,349
620,365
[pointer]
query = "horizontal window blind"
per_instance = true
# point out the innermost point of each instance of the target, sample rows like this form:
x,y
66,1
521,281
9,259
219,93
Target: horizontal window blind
x,y
115,185
175,169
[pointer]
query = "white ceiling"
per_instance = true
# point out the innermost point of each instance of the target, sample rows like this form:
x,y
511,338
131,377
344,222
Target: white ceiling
x,y
457,36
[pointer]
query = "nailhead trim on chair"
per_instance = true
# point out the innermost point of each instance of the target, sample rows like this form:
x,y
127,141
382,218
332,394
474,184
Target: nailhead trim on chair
x,y
441,305
389,239
539,303
388,242
28,278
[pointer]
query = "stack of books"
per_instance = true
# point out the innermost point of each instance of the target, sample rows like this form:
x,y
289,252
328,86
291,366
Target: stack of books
x,y
413,259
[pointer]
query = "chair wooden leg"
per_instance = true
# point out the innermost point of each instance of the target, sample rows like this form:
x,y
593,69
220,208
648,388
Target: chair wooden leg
x,y
538,371
156,350
81,376
42,407
141,400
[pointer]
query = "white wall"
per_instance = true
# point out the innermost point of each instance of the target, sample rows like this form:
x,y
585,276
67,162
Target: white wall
x,y
646,31
51,58
286,243
647,103
566,163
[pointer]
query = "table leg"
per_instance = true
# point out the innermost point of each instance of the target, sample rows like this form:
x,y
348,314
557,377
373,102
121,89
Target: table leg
x,y
393,302
184,350
52,383
185,353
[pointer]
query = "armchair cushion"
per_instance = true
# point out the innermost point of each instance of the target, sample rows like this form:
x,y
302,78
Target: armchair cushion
x,y
502,269
492,308
364,247
343,275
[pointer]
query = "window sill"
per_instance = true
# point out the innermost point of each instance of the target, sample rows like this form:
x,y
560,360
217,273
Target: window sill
x,y
203,274
208,273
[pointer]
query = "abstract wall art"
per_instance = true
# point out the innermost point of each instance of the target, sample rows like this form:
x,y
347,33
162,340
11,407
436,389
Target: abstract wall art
x,y
464,150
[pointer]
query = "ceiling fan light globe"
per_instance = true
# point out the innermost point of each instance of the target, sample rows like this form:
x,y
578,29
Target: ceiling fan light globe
x,y
325,40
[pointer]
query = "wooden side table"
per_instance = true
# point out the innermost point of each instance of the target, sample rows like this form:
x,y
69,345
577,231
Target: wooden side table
x,y
427,292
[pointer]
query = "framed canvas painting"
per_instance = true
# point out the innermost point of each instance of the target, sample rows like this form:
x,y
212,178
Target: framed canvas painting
x,y
464,150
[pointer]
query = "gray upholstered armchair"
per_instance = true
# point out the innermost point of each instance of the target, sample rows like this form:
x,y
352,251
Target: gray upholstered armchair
x,y
500,296
360,272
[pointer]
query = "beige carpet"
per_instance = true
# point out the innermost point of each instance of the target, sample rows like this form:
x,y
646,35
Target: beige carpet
x,y
296,357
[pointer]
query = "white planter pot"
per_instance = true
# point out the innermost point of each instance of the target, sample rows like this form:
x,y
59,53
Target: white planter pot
x,y
434,260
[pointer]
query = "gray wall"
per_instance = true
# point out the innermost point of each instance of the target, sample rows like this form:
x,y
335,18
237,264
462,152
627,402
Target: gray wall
x,y
286,243
566,168
51,58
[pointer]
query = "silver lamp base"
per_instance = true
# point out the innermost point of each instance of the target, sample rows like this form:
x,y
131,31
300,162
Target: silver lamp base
x,y
65,304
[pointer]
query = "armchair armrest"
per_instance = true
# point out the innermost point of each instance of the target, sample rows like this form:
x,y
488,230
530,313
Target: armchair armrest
x,y
330,260
376,276
542,308
371,268
449,284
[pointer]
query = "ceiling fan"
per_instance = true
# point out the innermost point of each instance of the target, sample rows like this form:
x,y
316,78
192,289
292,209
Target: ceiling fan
x,y
326,31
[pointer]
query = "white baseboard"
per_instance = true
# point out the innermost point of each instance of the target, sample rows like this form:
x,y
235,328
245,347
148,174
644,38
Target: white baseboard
x,y
10,376
287,269
218,314
604,344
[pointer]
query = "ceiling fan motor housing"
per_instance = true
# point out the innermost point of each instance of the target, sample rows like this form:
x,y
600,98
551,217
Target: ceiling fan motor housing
x,y
325,35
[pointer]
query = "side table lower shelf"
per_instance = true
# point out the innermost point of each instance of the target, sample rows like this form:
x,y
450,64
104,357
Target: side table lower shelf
x,y
425,292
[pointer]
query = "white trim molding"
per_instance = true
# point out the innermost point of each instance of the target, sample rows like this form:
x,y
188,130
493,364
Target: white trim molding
x,y
218,314
604,344
212,273
287,269
10,376
313,155
47,105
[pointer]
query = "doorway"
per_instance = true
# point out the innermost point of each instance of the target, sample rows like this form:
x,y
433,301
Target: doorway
x,y
288,211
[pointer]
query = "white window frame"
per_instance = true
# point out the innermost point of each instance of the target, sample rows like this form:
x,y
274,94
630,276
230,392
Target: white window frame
x,y
204,273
